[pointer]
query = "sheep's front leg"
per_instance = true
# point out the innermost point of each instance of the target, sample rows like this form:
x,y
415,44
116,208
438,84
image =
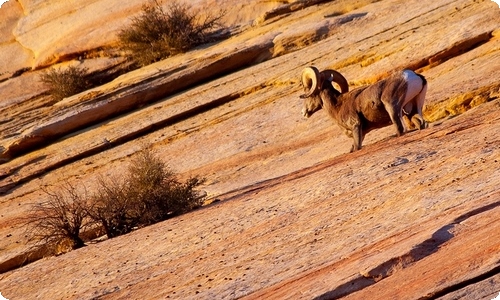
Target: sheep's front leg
x,y
357,136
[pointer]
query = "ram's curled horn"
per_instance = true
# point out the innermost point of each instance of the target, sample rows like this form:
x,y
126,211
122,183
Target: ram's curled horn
x,y
336,77
310,81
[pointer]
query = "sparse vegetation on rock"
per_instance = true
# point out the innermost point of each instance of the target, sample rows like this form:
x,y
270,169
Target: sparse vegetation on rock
x,y
148,194
157,33
59,220
63,83
157,191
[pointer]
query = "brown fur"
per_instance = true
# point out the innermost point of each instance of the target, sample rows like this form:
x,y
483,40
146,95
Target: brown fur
x,y
361,110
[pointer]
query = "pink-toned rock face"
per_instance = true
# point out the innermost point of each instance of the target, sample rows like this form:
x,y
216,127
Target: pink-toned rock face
x,y
298,217
37,34
65,28
13,56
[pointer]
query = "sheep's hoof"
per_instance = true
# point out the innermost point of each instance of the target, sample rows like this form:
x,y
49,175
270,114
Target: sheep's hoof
x,y
419,122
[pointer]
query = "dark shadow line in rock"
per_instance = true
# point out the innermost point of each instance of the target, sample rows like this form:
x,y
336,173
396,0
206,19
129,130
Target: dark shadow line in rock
x,y
350,17
387,268
477,211
9,188
463,284
420,251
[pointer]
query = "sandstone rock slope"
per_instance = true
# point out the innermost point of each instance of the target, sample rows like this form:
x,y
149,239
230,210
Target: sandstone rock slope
x,y
411,217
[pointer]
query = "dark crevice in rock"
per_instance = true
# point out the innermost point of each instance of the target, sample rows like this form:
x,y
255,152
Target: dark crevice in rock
x,y
14,74
98,52
420,251
288,8
109,74
460,48
23,259
462,284
9,187
453,51
476,211
103,107
388,268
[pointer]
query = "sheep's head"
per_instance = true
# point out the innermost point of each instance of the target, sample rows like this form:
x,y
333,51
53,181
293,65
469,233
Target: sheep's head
x,y
311,105
313,82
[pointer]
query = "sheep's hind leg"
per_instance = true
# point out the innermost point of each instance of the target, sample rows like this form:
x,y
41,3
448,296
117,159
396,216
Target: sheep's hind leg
x,y
395,115
419,122
407,122
420,104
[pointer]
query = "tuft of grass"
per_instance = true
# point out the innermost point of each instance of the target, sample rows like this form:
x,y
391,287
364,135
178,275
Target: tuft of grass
x,y
63,83
157,33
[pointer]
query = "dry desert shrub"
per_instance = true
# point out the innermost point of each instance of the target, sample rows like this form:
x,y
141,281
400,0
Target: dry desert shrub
x,y
66,82
110,208
149,193
157,33
59,221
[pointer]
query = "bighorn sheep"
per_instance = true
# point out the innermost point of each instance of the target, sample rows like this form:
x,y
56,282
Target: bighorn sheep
x,y
359,111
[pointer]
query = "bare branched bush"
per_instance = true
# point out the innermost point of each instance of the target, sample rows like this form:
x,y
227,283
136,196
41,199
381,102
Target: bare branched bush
x,y
60,220
150,193
148,181
63,83
157,33
111,208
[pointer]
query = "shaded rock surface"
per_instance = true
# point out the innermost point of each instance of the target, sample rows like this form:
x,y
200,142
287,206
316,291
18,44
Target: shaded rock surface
x,y
408,218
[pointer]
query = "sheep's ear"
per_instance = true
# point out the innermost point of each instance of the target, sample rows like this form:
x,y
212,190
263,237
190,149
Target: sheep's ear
x,y
321,80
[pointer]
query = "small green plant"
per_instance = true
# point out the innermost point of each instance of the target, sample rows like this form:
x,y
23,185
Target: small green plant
x,y
60,220
66,82
157,33
149,193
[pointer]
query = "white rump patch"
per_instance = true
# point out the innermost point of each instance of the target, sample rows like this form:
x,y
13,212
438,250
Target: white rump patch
x,y
415,84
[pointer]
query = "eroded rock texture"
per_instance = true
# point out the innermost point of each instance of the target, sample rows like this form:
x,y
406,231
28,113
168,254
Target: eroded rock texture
x,y
412,217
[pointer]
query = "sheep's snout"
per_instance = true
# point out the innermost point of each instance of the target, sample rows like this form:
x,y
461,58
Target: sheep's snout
x,y
305,113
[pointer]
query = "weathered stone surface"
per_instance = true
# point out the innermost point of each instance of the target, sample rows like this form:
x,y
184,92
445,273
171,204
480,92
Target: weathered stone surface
x,y
409,217
38,34
14,56
61,29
